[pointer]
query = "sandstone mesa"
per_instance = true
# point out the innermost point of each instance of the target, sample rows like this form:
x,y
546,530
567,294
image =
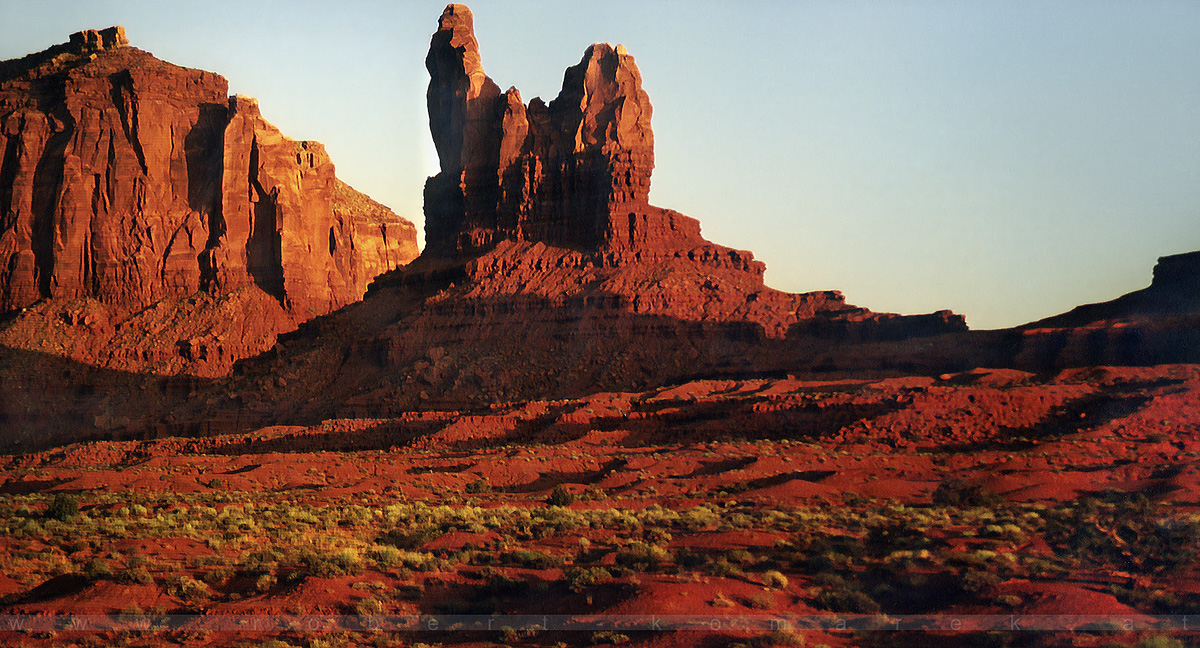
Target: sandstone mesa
x,y
128,183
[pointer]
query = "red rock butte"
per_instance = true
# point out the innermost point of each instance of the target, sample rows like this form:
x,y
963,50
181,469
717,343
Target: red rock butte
x,y
525,188
574,173
128,181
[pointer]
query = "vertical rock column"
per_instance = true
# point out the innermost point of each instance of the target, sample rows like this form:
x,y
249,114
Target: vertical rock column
x,y
570,173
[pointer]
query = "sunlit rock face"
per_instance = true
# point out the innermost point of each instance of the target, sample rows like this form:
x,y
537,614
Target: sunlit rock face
x,y
133,182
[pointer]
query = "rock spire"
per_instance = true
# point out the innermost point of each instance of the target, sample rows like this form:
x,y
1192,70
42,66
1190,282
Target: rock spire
x,y
574,172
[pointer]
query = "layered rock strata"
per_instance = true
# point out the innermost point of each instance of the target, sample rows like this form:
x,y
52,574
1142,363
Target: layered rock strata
x,y
130,181
563,185
547,272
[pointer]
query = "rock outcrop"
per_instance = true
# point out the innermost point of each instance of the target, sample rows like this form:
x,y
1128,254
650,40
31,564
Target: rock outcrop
x,y
131,181
1155,325
547,272
524,188
574,173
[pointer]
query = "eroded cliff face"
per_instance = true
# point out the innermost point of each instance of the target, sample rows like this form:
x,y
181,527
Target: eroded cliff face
x,y
129,181
574,173
524,189
546,272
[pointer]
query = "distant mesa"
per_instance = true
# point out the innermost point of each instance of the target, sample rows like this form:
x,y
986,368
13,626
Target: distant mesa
x,y
129,183
1174,291
1159,324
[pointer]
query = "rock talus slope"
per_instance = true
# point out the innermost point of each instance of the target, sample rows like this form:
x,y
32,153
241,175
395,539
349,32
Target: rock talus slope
x,y
131,183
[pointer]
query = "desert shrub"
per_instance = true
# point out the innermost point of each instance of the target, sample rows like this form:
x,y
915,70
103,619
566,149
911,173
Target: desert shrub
x,y
262,562
1130,532
761,601
217,575
410,592
851,601
308,563
657,536
822,553
963,494
353,516
369,606
725,569
609,637
408,538
641,556
1010,600
1157,601
854,500
740,521
530,559
739,557
478,486
265,582
980,581
838,595
136,571
63,507
891,536
97,569
699,517
135,575
720,600
579,579
31,528
497,584
788,638
346,561
691,559
416,560
775,579
384,555
187,588
1009,531
594,493
1159,641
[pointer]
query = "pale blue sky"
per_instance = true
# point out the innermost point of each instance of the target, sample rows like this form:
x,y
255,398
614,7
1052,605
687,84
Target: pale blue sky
x,y
1007,160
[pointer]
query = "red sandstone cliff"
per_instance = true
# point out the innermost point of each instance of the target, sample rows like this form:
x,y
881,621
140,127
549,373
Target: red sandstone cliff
x,y
546,272
566,185
128,182
547,275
